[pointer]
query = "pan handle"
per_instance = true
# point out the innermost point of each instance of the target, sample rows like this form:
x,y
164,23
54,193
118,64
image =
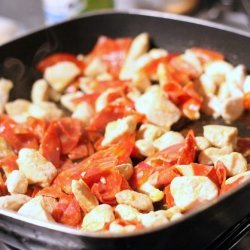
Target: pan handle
x,y
232,236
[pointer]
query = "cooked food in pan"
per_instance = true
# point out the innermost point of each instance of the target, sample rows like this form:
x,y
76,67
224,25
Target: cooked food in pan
x,y
95,147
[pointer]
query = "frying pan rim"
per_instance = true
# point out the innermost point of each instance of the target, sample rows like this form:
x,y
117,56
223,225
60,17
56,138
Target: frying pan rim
x,y
77,232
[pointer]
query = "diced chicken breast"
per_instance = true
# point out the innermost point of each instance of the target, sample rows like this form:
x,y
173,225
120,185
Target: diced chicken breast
x,y
141,81
137,200
67,100
190,191
133,94
157,108
85,84
246,85
202,143
220,136
145,147
17,183
139,46
126,169
173,213
153,219
218,70
234,162
61,74
35,167
185,170
84,112
98,217
192,59
17,107
154,194
95,68
243,176
232,108
104,77
39,208
168,139
45,110
104,99
237,76
5,87
5,148
83,195
150,132
13,202
114,130
210,155
126,212
115,227
40,91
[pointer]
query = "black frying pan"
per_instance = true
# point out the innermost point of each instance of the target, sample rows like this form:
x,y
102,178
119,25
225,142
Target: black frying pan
x,y
197,229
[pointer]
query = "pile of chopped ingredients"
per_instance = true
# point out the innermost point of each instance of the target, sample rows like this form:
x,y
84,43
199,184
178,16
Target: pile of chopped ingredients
x,y
94,148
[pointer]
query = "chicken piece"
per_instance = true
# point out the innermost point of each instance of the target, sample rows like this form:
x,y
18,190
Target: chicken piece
x,y
67,100
115,227
154,194
85,84
83,195
95,68
153,219
145,147
191,191
5,87
40,91
39,208
114,130
218,70
13,202
5,148
104,99
45,110
18,110
220,136
157,108
35,167
207,85
193,60
133,94
17,183
139,46
137,200
84,112
126,212
125,169
210,155
150,132
61,74
97,218
246,84
173,213
234,162
141,81
54,95
104,77
237,77
168,139
212,106
223,92
202,143
243,176
232,108
185,170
